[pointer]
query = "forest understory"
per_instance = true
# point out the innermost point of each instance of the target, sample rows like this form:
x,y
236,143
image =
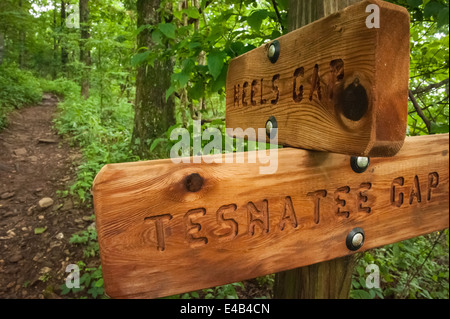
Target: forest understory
x,y
88,83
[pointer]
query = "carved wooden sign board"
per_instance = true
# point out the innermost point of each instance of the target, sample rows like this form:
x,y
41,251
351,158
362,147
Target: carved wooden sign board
x,y
166,228
336,85
160,237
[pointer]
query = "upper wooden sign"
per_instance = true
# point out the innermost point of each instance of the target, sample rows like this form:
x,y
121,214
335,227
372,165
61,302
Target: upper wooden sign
x,y
166,228
339,84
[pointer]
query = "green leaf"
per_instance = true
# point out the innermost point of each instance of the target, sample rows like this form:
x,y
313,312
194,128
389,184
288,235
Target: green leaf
x,y
247,48
181,78
443,17
256,18
197,91
216,62
414,3
40,230
99,283
64,289
283,4
217,122
195,294
139,58
167,29
157,37
169,131
169,92
360,294
439,128
85,279
192,12
236,48
432,9
220,82
155,143
193,45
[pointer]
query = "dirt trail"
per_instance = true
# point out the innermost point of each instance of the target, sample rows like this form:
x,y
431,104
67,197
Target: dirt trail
x,y
34,164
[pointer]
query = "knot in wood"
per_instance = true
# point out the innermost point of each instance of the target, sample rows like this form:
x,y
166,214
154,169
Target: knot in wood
x,y
193,182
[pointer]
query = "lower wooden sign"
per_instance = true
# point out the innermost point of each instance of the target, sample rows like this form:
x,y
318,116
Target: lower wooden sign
x,y
166,228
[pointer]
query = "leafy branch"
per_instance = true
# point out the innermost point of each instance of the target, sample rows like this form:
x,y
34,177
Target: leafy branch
x,y
431,87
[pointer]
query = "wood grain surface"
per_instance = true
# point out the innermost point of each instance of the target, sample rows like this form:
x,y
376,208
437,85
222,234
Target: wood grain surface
x,y
337,85
166,228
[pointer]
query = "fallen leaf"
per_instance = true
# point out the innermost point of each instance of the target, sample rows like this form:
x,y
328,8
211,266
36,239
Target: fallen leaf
x,y
40,230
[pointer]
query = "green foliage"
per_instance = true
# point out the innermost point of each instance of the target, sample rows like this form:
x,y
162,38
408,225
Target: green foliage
x,y
416,269
103,133
61,87
91,282
219,292
429,65
17,88
224,292
87,238
215,32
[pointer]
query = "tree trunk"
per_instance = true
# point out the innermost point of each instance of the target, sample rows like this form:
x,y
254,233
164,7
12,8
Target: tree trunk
x,y
153,114
64,54
85,54
55,46
2,47
21,40
331,279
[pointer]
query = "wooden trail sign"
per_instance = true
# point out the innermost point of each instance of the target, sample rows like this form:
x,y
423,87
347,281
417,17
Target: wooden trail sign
x,y
339,84
166,228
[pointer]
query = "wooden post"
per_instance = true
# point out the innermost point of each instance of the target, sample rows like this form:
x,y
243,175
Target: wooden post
x,y
330,279
303,12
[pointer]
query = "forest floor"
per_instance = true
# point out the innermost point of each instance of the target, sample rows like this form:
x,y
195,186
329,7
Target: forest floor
x,y
35,223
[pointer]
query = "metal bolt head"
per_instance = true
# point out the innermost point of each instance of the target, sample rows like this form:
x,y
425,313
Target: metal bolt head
x,y
359,164
271,127
272,50
362,162
355,239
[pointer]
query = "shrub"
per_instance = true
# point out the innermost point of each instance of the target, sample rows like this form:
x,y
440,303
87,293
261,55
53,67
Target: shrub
x,y
18,88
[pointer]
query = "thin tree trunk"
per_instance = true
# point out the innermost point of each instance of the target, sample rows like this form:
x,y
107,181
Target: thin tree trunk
x,y
85,54
21,41
331,279
153,114
200,60
2,47
55,45
64,54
